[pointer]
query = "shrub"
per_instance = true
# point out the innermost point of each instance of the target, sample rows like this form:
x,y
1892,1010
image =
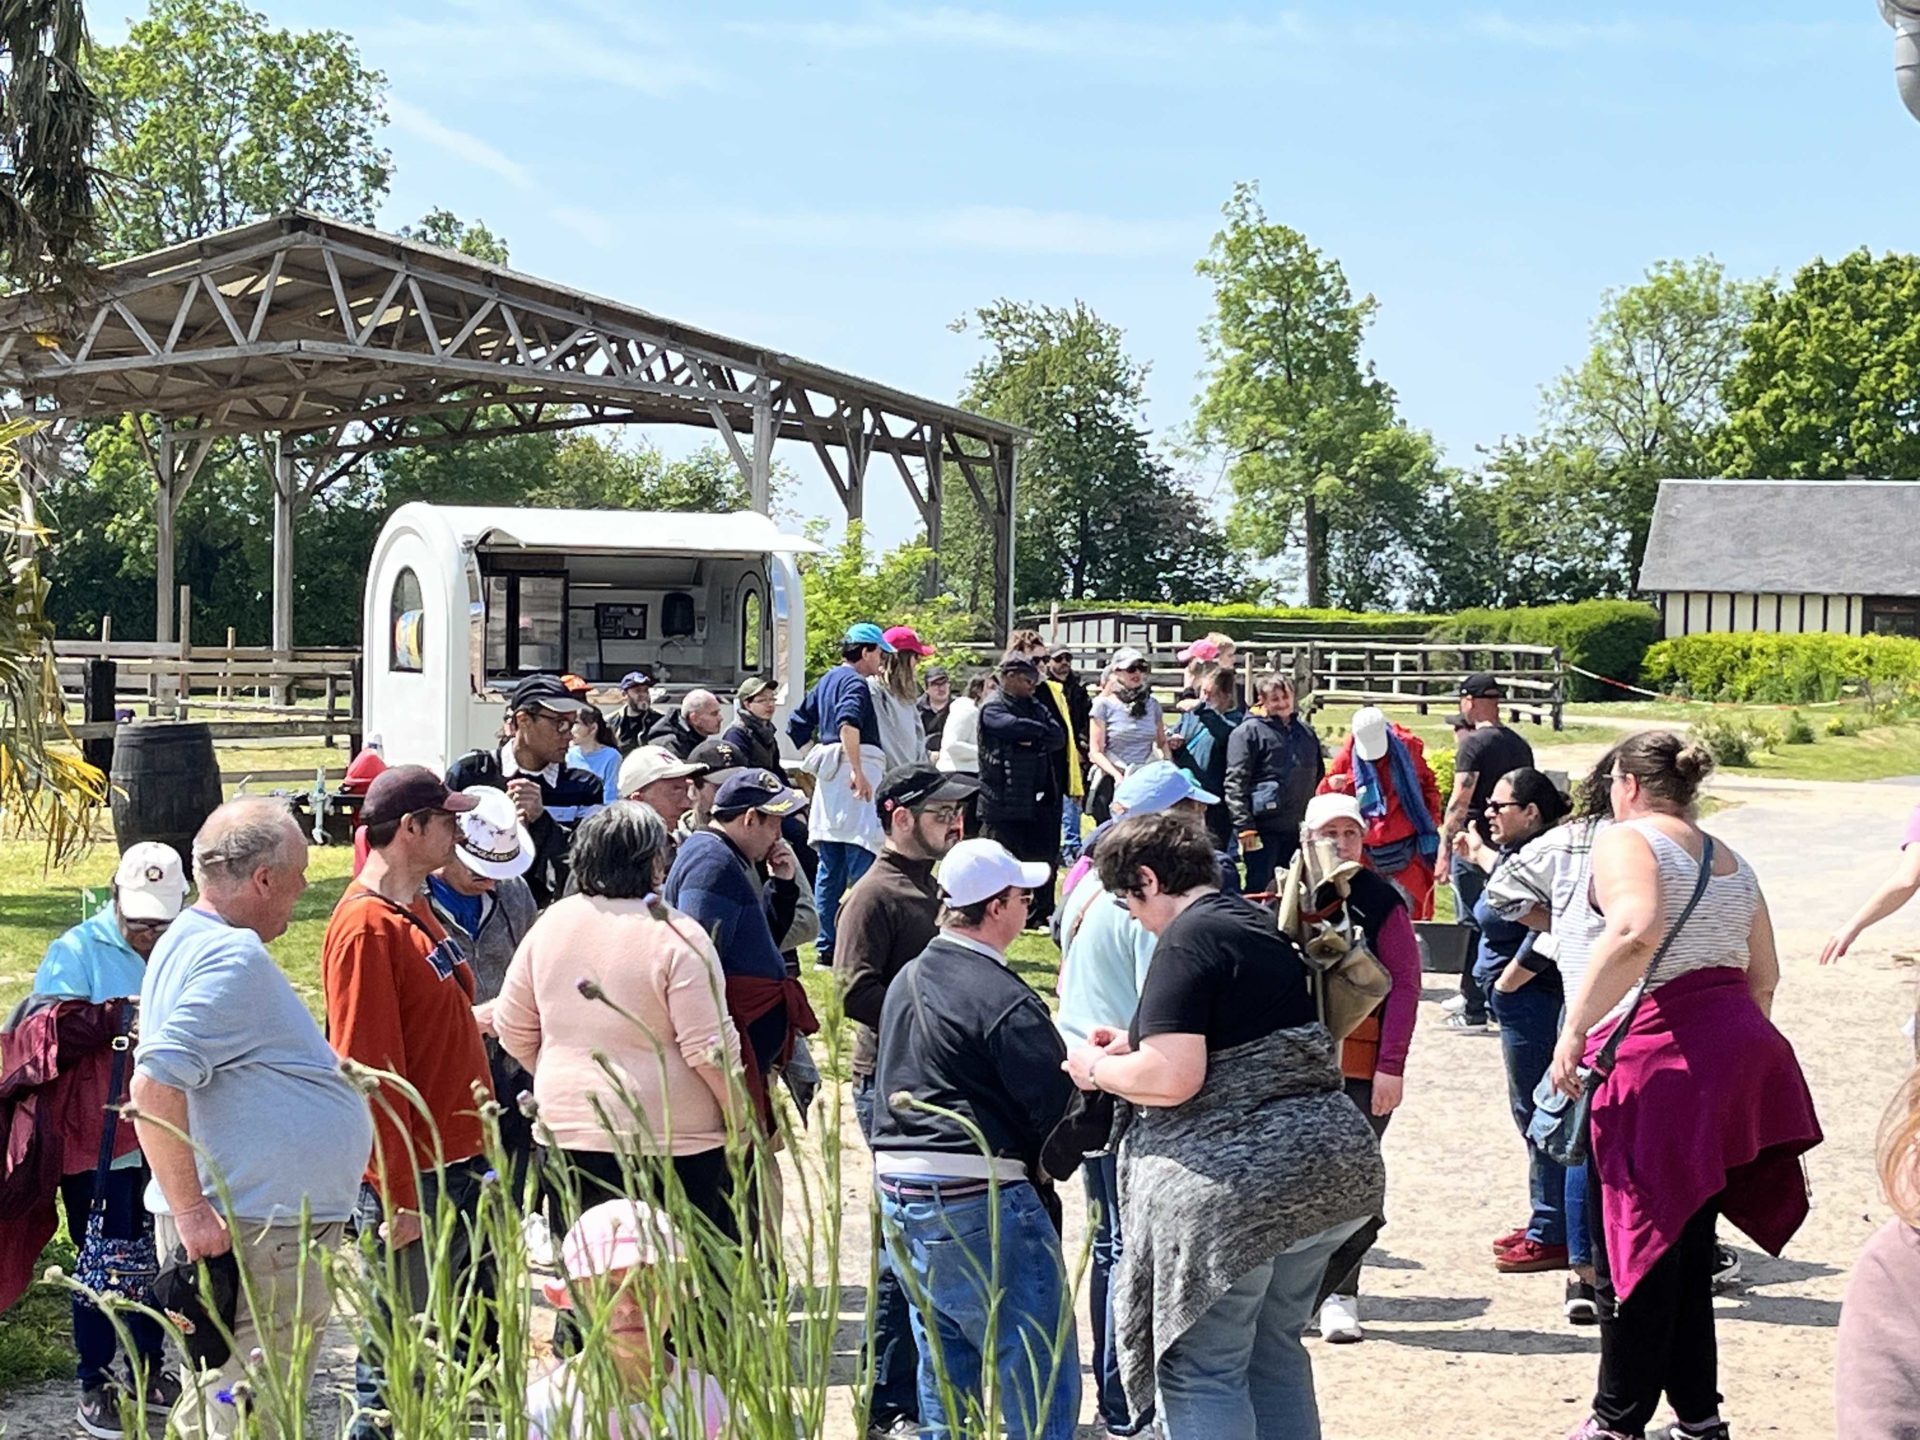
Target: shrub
x,y
1440,757
1730,742
1845,725
1785,669
1608,637
1799,732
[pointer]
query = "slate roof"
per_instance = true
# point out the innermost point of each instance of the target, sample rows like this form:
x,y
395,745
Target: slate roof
x,y
1792,537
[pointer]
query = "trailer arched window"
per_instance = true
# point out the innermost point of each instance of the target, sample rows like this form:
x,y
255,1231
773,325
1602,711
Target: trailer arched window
x,y
407,613
752,625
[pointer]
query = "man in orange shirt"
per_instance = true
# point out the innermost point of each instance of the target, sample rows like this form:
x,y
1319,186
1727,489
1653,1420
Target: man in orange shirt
x,y
400,999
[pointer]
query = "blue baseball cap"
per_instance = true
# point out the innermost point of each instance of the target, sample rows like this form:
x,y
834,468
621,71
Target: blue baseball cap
x,y
1158,785
868,633
636,677
760,790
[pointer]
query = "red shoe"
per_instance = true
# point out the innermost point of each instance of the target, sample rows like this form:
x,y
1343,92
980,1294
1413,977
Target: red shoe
x,y
1530,1256
1510,1239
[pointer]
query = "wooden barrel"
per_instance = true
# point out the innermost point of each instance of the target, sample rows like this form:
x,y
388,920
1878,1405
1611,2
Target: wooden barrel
x,y
165,782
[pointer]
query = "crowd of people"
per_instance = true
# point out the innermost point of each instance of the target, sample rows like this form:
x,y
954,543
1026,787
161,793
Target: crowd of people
x,y
597,925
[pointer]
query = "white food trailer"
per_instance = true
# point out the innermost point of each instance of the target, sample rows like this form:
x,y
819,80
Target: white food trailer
x,y
463,601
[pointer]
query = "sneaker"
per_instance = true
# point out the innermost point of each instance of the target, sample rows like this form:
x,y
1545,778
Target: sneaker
x,y
901,1427
1510,1239
99,1412
1583,1305
1726,1267
1340,1320
163,1389
823,962
1454,1003
1592,1429
1530,1256
1461,1025
1709,1430
537,1236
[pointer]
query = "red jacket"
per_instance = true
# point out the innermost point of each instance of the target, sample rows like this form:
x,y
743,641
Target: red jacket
x,y
1395,824
54,1069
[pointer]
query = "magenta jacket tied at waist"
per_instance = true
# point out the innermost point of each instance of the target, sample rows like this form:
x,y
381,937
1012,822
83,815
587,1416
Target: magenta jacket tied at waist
x,y
1706,1098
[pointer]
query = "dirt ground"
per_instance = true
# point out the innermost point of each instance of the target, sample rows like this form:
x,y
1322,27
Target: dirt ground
x,y
1454,1349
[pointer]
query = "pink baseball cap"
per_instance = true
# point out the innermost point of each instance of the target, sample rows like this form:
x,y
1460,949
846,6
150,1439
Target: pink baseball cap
x,y
613,1235
903,638
1201,650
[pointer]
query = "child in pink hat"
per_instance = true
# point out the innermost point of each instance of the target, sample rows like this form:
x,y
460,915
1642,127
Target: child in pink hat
x,y
617,1259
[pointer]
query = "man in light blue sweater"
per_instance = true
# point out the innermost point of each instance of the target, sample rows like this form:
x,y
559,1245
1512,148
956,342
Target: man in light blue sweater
x,y
230,1059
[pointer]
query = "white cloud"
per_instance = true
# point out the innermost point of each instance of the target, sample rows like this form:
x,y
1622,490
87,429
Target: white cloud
x,y
412,120
589,225
586,41
1095,36
972,229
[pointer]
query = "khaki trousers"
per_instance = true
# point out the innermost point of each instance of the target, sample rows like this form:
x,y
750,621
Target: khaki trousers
x,y
286,1277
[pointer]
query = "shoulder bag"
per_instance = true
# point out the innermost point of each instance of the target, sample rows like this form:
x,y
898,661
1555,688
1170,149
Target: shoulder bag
x,y
112,1264
1560,1121
1346,977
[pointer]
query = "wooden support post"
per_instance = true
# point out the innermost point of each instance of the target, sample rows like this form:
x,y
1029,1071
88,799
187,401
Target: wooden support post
x,y
285,508
935,501
331,698
760,482
164,504
102,677
356,714
183,683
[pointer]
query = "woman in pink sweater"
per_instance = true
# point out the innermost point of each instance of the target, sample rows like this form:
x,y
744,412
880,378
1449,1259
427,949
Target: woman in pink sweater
x,y
1877,1378
621,1018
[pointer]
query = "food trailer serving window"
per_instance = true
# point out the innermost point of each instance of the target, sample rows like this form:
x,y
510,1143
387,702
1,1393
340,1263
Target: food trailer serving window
x,y
526,623
406,616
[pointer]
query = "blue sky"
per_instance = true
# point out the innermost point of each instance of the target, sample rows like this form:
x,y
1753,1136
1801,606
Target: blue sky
x,y
841,182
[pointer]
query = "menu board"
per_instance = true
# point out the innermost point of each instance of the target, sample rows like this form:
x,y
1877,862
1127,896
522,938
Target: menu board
x,y
621,622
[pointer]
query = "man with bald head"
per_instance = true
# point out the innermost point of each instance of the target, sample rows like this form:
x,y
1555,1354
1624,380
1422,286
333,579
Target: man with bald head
x,y
230,1059
698,718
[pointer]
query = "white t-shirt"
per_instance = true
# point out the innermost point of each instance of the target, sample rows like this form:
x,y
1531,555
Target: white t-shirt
x,y
689,1398
1130,737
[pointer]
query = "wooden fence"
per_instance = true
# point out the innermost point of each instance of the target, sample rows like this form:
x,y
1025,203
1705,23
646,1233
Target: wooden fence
x,y
242,692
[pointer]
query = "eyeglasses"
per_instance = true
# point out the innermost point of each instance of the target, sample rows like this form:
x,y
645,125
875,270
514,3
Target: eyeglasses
x,y
942,814
551,717
1498,805
1615,777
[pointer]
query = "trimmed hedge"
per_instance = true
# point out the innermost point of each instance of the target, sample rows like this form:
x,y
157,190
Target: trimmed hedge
x,y
1783,669
1273,619
1608,637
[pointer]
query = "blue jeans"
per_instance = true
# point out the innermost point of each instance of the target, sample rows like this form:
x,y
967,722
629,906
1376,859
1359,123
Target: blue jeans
x,y
1070,842
891,1353
1101,1175
94,1337
1529,1024
946,1247
841,863
1469,881
1240,1371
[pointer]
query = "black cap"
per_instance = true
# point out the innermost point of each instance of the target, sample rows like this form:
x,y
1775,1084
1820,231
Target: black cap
x,y
1482,686
544,692
909,785
757,789
1017,665
933,674
203,1328
406,790
716,756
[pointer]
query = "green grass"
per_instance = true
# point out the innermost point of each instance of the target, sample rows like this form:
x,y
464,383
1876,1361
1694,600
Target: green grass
x,y
1432,728
1881,752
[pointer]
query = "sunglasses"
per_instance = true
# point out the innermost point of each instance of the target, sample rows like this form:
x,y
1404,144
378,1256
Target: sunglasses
x,y
1497,805
146,927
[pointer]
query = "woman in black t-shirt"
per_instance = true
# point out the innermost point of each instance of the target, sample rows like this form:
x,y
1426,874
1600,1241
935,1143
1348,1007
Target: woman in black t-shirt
x,y
1245,1166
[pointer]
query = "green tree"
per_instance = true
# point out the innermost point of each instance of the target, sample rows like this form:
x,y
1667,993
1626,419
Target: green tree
x,y
1645,405
1097,512
1826,387
49,117
843,585
1318,459
216,118
450,232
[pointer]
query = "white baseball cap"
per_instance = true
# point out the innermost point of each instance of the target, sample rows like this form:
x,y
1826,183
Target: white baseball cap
x,y
1325,809
491,841
1370,732
1126,657
977,870
650,763
151,883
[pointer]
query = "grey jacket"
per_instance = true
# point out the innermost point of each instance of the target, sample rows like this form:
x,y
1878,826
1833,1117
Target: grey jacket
x,y
505,918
